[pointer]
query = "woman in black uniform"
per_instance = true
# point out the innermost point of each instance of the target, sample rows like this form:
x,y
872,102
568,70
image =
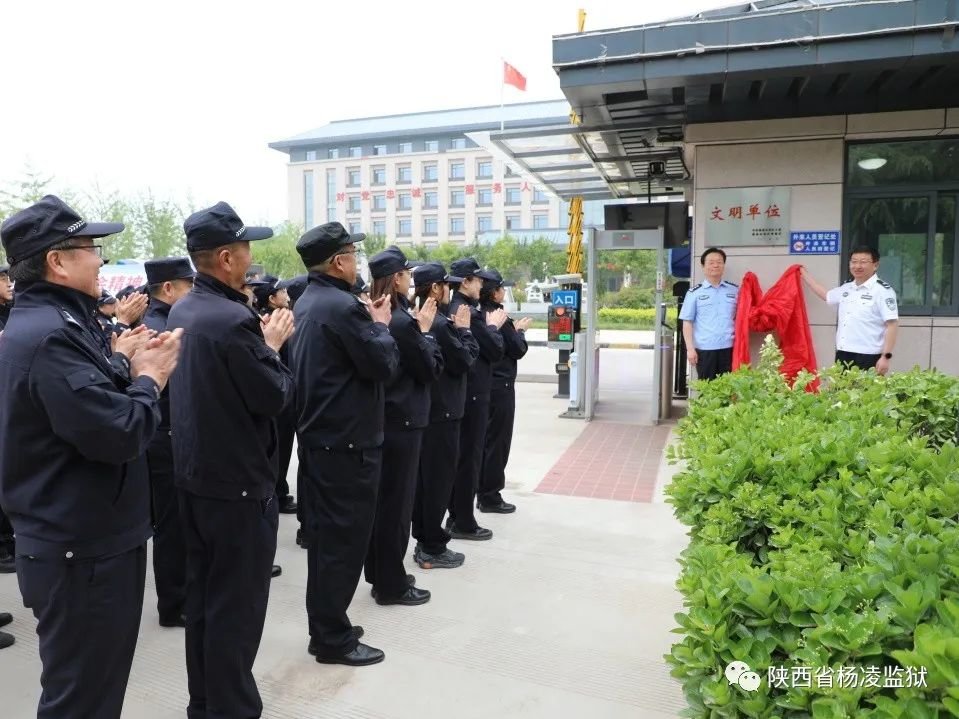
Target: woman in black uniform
x,y
502,401
442,440
406,416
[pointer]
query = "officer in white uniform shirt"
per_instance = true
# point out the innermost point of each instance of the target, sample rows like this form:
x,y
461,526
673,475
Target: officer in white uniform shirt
x,y
868,313
709,318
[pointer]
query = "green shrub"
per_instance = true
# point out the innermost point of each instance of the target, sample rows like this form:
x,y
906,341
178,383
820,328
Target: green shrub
x,y
632,297
643,318
824,535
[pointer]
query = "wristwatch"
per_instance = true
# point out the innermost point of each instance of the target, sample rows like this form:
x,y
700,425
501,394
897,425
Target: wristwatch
x,y
888,355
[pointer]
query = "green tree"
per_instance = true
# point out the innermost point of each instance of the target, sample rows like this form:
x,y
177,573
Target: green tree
x,y
504,256
159,226
278,254
373,244
445,253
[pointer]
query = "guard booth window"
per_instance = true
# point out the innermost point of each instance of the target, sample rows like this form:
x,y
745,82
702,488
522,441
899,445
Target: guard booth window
x,y
901,199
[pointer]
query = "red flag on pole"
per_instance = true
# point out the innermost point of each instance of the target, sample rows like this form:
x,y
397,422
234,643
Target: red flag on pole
x,y
512,76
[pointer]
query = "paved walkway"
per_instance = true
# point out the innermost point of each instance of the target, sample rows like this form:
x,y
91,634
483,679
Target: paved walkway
x,y
565,613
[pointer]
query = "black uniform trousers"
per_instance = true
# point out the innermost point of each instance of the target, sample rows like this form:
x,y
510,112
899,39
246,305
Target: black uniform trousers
x,y
856,359
6,535
394,512
341,489
286,432
434,485
169,550
470,463
499,438
230,549
88,616
713,363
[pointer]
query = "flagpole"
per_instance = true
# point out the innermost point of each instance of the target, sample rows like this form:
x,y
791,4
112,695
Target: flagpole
x,y
502,87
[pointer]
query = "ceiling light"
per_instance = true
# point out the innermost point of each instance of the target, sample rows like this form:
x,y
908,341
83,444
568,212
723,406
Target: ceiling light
x,y
872,163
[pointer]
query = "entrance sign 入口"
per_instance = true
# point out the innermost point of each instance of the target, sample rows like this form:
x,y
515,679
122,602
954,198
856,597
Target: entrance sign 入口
x,y
746,216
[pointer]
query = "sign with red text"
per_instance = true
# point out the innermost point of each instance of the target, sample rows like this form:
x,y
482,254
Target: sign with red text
x,y
745,216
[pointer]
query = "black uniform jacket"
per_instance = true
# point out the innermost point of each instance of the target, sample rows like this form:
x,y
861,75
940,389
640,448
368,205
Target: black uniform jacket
x,y
73,432
421,363
514,349
460,350
224,395
342,361
490,341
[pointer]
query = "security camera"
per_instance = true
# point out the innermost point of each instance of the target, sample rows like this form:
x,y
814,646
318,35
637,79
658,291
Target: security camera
x,y
657,169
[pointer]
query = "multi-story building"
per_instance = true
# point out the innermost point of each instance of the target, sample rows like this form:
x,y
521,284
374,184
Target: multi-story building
x,y
418,178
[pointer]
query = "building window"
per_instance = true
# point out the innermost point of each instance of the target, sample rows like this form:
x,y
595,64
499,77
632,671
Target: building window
x,y
484,223
431,146
430,172
354,227
484,196
310,155
378,176
353,177
458,143
379,227
484,170
354,204
405,147
379,202
379,149
333,153
458,225
539,196
431,199
540,221
330,195
513,196
430,226
457,170
901,199
404,175
308,199
404,227
356,152
512,221
457,198
403,201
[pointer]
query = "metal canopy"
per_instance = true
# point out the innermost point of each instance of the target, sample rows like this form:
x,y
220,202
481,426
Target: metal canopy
x,y
637,88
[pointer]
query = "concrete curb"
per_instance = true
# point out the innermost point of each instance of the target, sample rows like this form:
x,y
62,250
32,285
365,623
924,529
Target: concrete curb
x,y
602,345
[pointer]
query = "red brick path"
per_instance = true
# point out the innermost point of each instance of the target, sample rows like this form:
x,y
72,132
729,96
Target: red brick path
x,y
609,461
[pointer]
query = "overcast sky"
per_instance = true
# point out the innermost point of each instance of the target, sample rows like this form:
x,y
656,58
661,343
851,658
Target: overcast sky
x,y
182,97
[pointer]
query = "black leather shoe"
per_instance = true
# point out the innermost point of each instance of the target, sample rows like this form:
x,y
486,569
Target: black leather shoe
x,y
5,618
177,620
276,571
501,508
357,634
410,598
480,534
288,505
300,539
6,640
362,656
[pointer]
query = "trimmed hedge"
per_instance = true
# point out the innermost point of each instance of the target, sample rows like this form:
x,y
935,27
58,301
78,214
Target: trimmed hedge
x,y
823,535
636,317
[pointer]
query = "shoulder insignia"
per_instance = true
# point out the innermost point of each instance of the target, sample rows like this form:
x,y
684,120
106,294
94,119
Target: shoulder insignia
x,y
883,283
693,289
730,283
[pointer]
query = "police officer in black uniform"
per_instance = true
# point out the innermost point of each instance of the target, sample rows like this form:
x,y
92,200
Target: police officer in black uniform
x,y
502,401
168,281
230,387
270,296
343,355
106,310
7,546
441,440
486,328
80,506
406,416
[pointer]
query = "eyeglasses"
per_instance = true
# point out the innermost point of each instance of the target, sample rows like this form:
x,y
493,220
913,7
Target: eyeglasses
x,y
96,249
345,252
861,263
